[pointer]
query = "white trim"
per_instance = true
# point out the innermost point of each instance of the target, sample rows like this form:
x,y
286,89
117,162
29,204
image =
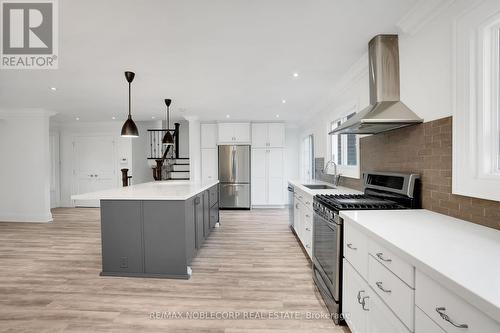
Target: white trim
x,y
349,171
476,34
423,12
17,217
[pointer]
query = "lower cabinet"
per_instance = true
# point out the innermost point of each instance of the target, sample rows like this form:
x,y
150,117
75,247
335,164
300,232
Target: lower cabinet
x,y
303,222
363,310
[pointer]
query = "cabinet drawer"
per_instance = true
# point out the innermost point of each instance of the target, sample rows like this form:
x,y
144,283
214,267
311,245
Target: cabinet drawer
x,y
424,324
214,195
355,248
395,293
394,263
434,299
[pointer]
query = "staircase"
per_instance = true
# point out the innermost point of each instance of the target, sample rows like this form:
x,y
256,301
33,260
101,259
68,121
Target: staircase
x,y
179,169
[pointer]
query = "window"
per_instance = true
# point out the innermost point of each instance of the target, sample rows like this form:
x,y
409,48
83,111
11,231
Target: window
x,y
308,157
345,149
476,114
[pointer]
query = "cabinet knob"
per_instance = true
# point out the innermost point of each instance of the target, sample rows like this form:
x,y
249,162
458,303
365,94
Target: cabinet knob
x,y
308,229
308,246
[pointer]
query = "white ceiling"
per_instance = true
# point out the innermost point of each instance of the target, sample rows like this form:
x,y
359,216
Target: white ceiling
x,y
211,58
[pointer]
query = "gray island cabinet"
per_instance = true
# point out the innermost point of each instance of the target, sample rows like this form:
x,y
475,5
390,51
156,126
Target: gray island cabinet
x,y
153,237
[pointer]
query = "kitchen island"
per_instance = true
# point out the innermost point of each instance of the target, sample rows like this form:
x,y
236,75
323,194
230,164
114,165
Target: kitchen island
x,y
154,229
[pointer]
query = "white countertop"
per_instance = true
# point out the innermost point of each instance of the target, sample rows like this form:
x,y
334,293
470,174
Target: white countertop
x,y
462,256
299,183
160,190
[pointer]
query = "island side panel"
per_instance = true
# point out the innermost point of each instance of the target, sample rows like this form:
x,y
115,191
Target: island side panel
x,y
190,229
164,238
121,232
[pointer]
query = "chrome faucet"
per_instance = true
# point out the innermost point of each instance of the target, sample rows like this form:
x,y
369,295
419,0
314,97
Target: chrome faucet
x,y
336,176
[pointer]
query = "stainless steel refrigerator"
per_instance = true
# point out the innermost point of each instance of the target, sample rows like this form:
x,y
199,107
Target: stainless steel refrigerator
x,y
234,177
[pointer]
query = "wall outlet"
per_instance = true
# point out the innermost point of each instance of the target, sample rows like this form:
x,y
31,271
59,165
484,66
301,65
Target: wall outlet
x,y
124,262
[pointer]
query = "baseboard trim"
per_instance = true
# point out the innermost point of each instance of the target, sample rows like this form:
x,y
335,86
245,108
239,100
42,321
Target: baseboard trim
x,y
23,218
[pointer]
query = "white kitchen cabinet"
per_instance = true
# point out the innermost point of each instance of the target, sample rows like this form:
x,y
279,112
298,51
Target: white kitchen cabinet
x,y
267,177
234,133
208,136
303,219
259,177
363,310
268,135
209,164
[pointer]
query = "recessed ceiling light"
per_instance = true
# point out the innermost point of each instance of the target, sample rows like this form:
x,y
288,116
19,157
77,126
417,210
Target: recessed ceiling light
x,y
77,118
295,74
277,116
53,88
113,118
227,116
153,117
283,101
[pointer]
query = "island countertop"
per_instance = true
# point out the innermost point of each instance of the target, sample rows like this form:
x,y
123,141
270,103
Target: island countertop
x,y
159,190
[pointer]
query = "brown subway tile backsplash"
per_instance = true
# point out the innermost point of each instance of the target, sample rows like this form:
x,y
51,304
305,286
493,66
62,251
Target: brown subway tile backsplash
x,y
425,149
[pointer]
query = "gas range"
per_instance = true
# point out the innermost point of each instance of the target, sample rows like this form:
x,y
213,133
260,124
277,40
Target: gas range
x,y
382,190
329,204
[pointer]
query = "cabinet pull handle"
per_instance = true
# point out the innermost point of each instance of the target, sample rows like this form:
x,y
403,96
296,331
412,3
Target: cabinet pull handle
x,y
380,255
308,246
363,303
307,215
379,285
359,296
307,202
349,245
443,315
297,206
308,229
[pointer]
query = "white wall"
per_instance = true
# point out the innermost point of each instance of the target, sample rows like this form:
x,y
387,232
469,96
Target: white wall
x,y
426,54
25,166
67,133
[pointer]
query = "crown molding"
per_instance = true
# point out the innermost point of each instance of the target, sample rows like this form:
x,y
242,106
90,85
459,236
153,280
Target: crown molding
x,y
421,14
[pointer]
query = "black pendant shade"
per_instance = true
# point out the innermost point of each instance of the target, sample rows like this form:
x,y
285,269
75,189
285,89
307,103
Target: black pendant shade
x,y
129,129
168,139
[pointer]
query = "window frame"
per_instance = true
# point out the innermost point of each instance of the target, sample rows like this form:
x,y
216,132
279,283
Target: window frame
x,y
476,151
350,171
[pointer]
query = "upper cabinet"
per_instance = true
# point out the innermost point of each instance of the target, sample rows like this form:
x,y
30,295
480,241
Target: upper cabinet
x,y
268,135
234,133
208,135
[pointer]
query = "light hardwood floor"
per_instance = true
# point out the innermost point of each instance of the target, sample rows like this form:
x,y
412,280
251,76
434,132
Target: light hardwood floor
x,y
49,280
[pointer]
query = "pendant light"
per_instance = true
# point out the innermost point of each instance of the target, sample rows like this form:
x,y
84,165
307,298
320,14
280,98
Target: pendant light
x,y
129,129
168,138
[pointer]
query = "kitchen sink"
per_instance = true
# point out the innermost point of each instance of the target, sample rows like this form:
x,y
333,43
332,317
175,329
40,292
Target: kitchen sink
x,y
319,187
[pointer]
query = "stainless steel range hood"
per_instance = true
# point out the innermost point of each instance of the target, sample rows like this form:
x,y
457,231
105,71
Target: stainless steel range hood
x,y
385,112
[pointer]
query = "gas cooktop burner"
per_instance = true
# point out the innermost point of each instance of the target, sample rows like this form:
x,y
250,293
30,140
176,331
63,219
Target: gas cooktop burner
x,y
355,201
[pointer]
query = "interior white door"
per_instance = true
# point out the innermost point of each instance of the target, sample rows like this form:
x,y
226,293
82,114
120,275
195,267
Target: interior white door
x,y
276,135
94,166
276,181
259,177
209,168
260,138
